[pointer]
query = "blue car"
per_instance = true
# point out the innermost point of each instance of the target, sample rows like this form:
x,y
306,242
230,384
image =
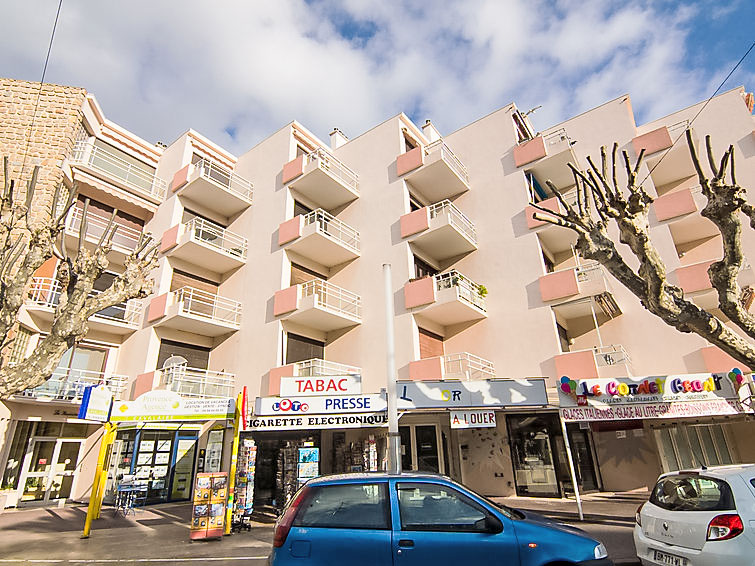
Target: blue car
x,y
418,520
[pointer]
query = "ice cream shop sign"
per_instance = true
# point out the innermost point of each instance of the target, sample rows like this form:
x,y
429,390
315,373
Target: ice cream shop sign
x,y
654,389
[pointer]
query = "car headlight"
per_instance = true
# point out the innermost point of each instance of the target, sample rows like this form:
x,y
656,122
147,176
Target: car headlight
x,y
600,552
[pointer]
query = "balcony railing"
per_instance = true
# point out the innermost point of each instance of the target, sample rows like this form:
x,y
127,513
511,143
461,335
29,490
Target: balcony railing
x,y
218,237
467,289
332,297
557,141
676,130
203,304
467,366
142,180
45,292
195,382
449,157
68,385
227,179
456,217
334,167
334,228
315,367
612,355
125,236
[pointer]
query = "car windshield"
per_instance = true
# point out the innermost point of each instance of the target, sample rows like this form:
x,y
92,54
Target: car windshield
x,y
688,492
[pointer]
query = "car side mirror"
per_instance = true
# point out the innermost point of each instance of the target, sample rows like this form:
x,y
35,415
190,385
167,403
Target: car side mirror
x,y
489,524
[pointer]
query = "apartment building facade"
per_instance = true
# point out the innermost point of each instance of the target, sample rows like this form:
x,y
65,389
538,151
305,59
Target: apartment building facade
x,y
271,268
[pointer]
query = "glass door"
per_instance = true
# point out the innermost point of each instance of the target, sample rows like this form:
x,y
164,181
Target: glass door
x,y
64,469
579,441
533,456
50,468
420,448
183,468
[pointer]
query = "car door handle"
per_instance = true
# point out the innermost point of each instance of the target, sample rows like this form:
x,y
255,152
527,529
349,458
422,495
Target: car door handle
x,y
406,543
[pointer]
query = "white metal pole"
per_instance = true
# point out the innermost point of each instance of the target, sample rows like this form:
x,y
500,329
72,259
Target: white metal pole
x,y
572,471
394,440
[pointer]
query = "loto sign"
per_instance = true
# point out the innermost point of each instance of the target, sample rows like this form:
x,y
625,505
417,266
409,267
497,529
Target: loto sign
x,y
321,385
472,419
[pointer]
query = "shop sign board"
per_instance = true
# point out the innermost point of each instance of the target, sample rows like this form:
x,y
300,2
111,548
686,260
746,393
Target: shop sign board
x,y
161,405
307,422
476,393
320,405
96,403
670,410
472,419
321,385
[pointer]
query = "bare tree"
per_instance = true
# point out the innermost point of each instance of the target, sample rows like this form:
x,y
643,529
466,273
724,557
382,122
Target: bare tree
x,y
602,202
27,241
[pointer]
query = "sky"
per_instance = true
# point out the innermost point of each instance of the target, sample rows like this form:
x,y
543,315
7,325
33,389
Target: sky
x,y
238,70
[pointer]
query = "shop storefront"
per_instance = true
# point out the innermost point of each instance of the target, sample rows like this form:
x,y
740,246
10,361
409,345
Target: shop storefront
x,y
450,427
641,427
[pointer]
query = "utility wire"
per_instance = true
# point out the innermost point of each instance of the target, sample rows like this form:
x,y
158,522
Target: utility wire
x,y
700,111
39,92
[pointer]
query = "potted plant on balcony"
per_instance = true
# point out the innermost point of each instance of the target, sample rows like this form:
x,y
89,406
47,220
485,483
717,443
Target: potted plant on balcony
x,y
482,291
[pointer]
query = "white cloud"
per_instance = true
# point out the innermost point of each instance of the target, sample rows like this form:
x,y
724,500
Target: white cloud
x,y
161,67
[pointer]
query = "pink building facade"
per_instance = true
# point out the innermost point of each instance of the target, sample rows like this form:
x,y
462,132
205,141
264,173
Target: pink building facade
x,y
271,269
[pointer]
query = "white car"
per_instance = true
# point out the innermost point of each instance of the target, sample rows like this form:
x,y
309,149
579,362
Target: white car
x,y
700,517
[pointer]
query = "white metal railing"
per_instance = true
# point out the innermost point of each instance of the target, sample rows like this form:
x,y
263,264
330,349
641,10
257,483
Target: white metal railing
x,y
125,236
141,179
558,140
334,228
333,298
466,289
590,271
68,384
196,382
677,129
316,366
208,305
467,366
456,218
224,177
334,167
218,237
45,292
612,355
449,157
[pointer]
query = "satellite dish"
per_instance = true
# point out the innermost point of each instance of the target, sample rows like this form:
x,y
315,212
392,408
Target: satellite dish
x,y
175,361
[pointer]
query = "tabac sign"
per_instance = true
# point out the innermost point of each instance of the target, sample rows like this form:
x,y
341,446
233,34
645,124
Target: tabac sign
x,y
653,389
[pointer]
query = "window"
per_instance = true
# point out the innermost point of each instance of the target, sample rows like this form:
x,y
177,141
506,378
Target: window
x,y
409,142
185,279
301,209
300,348
414,204
432,507
691,446
692,493
301,274
352,506
430,344
563,337
82,359
549,267
196,356
422,268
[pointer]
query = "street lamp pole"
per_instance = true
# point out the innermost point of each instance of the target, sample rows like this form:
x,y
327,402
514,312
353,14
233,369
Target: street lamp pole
x,y
394,440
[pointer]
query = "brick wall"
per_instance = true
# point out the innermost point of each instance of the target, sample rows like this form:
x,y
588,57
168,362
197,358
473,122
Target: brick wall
x,y
58,120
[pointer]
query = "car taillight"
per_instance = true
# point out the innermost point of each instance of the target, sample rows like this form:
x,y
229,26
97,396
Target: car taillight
x,y
724,527
283,525
637,517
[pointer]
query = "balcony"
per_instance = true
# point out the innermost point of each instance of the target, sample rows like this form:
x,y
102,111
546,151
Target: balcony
x,y
446,298
69,384
207,244
441,230
570,290
321,178
555,238
125,240
434,170
547,157
197,383
695,282
214,187
123,318
114,169
319,304
668,158
309,368
600,361
463,366
196,311
320,237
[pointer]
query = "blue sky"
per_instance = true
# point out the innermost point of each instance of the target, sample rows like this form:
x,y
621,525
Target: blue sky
x,y
237,70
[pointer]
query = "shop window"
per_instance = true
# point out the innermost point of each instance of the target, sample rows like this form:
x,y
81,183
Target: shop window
x,y
49,429
301,274
300,348
692,446
18,447
428,507
423,269
534,455
358,506
196,356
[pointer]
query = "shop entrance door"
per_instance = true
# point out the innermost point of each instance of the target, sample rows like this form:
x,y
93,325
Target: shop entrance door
x,y
49,469
579,441
420,449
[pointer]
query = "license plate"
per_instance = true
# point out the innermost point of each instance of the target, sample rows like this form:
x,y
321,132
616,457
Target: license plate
x,y
670,559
